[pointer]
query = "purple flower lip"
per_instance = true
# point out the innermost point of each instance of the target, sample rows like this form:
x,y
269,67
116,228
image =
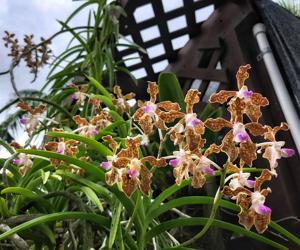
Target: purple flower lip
x,y
94,132
17,161
148,108
287,152
24,120
60,151
105,165
132,173
194,122
174,162
250,183
208,170
263,210
247,94
241,137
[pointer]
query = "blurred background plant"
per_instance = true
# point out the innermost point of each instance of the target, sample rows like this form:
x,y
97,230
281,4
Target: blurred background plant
x,y
292,6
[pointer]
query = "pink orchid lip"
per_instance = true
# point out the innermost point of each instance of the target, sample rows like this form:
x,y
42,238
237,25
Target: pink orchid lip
x,y
208,170
250,183
60,151
174,162
132,173
287,152
17,161
247,94
24,120
241,137
105,165
94,132
148,108
263,210
194,122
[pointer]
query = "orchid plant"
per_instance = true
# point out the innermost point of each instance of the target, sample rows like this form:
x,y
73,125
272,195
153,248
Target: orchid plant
x,y
107,156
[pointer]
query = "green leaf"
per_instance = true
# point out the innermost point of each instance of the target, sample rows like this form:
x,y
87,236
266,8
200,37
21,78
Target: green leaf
x,y
107,101
199,221
170,89
3,208
91,142
84,181
99,86
101,220
114,224
88,167
117,118
92,197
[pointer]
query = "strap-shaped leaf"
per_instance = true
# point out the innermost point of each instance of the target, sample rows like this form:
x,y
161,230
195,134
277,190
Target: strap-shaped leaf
x,y
91,142
199,221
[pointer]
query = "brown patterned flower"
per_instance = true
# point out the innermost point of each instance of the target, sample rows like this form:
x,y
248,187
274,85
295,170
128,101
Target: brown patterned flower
x,y
187,164
80,93
273,150
31,121
68,147
243,101
237,141
122,101
189,127
150,113
253,211
127,169
92,128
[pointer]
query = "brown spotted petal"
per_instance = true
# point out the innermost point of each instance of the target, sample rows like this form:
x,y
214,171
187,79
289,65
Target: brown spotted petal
x,y
213,148
261,222
192,97
237,109
247,218
238,191
129,184
198,179
222,96
228,146
271,133
121,162
193,140
170,116
39,109
146,124
112,176
256,129
111,142
51,146
248,152
24,106
80,121
265,175
154,161
152,90
242,75
253,112
138,114
230,168
217,124
259,100
145,180
168,106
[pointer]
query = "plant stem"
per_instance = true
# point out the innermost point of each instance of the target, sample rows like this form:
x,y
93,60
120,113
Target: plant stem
x,y
214,210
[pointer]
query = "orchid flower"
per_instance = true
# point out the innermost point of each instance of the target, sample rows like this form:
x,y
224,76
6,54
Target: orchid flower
x,y
31,120
123,102
127,169
150,113
92,128
252,203
24,162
